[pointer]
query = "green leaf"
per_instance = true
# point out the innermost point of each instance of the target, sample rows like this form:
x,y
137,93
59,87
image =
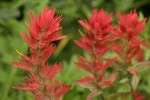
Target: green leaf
x,y
135,82
114,96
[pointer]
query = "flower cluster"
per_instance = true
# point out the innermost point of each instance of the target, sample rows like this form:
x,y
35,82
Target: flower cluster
x,y
129,46
96,44
103,37
43,31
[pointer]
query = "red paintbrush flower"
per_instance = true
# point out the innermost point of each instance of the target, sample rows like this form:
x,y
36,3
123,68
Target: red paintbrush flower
x,y
43,29
129,46
98,27
96,44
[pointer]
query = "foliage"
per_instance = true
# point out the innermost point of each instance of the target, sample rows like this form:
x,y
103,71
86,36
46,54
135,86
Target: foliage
x,y
13,13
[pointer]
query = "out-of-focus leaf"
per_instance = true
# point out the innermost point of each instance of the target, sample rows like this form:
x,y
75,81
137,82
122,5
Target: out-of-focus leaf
x,y
10,13
147,86
8,84
142,64
86,10
135,82
141,16
61,45
71,70
123,81
114,96
123,5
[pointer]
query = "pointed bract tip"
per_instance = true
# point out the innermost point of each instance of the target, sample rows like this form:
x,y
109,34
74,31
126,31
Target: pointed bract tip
x,y
19,52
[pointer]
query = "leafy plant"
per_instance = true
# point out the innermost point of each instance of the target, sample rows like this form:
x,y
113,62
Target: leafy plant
x,y
123,41
43,31
13,13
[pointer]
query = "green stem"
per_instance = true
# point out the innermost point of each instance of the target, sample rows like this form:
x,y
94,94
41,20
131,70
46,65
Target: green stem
x,y
102,97
130,84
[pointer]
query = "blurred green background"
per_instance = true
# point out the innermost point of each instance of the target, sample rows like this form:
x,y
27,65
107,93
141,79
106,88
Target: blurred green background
x,y
13,13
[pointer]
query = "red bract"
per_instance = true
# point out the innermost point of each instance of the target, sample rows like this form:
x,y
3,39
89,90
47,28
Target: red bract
x,y
43,29
96,44
129,46
138,96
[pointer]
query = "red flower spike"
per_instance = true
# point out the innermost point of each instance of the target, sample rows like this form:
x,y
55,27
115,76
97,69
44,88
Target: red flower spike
x,y
129,46
43,29
130,23
96,44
